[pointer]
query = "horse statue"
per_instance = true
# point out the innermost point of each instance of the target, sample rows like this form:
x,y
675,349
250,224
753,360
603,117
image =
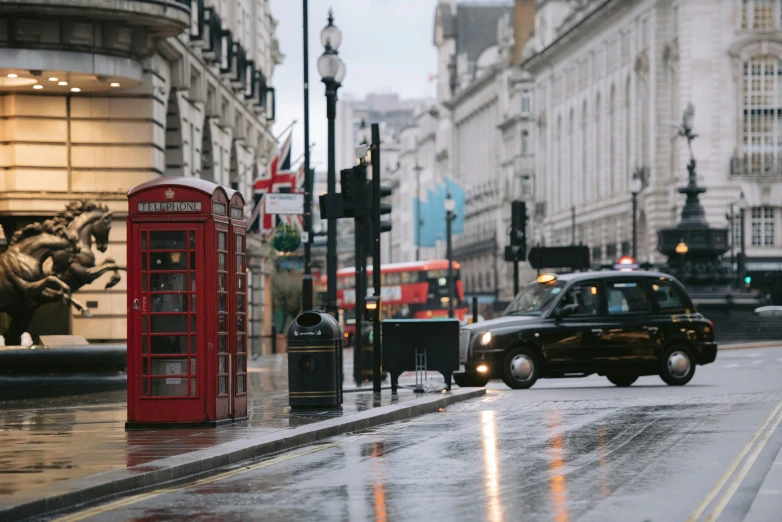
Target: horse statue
x,y
23,279
46,262
88,220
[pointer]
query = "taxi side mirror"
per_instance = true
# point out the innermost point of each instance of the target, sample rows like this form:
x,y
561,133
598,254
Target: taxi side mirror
x,y
566,311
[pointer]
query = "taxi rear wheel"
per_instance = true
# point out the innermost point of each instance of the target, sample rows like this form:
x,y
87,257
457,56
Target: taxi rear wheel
x,y
520,369
622,380
677,366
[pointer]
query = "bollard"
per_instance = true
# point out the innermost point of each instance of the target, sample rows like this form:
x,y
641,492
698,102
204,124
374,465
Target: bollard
x,y
475,309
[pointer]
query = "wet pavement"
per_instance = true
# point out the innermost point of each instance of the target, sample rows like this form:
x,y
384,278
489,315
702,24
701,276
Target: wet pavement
x,y
51,440
566,450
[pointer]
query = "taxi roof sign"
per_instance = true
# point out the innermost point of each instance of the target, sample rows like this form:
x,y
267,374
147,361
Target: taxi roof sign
x,y
626,264
546,278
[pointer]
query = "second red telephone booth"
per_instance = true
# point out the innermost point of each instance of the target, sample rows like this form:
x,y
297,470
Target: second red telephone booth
x,y
187,355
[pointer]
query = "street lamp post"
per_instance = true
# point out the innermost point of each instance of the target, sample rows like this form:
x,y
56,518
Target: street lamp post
x,y
418,168
742,204
635,188
450,215
307,294
332,71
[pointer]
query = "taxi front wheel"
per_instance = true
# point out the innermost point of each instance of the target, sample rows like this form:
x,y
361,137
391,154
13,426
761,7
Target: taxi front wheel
x,y
677,366
521,368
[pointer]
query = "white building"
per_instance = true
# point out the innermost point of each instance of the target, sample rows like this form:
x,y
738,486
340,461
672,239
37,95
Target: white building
x,y
479,133
611,75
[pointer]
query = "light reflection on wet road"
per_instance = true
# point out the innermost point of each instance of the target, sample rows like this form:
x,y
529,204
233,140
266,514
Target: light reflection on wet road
x,y
581,452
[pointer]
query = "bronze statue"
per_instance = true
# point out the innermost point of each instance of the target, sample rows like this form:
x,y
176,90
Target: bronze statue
x,y
685,128
27,280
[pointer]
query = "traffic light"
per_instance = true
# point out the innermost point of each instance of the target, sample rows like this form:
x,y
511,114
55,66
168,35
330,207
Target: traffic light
x,y
385,208
748,280
352,182
518,232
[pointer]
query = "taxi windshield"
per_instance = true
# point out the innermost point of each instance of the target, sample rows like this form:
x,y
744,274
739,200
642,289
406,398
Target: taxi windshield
x,y
534,299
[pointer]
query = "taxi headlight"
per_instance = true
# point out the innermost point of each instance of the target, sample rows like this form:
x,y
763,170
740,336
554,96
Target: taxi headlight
x,y
485,339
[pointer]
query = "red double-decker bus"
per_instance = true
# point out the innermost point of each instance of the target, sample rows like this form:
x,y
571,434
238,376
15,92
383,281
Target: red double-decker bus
x,y
417,290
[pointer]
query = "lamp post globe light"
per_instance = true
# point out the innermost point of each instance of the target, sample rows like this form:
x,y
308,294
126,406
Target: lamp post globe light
x,y
332,71
450,206
635,189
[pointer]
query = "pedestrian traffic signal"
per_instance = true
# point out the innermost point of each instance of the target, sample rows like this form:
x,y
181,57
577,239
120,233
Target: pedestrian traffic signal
x,y
748,280
352,183
385,208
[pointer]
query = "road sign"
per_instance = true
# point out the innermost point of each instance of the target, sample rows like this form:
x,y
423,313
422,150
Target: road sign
x,y
283,203
305,237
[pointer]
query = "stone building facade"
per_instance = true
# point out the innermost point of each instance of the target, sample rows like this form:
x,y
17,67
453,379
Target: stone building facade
x,y
610,79
97,97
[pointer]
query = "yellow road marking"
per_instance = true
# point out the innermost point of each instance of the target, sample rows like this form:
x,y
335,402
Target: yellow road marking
x,y
743,473
732,468
104,508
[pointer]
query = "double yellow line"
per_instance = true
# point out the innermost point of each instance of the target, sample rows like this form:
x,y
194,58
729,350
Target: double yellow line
x,y
755,445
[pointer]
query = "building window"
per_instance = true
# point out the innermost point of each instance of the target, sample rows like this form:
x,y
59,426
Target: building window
x,y
760,15
762,226
525,142
762,122
525,102
736,230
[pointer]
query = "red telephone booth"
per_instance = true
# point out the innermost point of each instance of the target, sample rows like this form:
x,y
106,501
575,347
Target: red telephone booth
x,y
187,356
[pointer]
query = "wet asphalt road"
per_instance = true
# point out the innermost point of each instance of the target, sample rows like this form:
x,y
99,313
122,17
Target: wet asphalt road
x,y
566,450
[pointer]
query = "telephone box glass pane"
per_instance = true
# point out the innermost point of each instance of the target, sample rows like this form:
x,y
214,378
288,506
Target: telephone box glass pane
x,y
168,282
144,391
193,389
240,323
169,387
239,241
221,282
143,260
168,240
169,303
240,283
221,261
240,303
143,282
192,240
221,323
221,298
239,263
144,324
143,241
240,384
162,344
169,367
192,261
221,364
240,360
192,366
192,344
168,261
221,240
192,283
168,323
144,363
193,303
223,381
144,344
221,344
192,323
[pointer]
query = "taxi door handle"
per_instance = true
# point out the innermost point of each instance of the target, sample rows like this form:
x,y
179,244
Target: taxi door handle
x,y
597,331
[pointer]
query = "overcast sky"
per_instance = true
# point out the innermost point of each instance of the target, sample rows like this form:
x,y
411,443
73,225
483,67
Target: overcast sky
x,y
386,46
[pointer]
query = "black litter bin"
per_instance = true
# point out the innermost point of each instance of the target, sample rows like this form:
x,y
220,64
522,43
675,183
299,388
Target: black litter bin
x,y
314,361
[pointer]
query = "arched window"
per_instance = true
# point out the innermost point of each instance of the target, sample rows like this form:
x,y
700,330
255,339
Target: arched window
x,y
598,132
612,148
571,163
584,168
558,156
762,119
628,168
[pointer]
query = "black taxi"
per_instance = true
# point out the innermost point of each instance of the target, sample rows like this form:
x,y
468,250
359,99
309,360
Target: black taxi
x,y
620,325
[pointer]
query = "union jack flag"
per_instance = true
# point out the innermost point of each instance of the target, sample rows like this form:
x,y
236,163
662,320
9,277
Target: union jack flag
x,y
277,178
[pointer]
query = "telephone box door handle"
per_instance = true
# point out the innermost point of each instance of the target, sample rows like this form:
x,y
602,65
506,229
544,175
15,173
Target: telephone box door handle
x,y
135,304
